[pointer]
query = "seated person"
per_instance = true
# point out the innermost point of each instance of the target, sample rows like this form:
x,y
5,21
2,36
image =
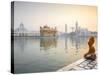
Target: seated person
x,y
91,53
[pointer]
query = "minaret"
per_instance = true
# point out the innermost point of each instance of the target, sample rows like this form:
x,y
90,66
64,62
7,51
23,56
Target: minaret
x,y
65,28
76,27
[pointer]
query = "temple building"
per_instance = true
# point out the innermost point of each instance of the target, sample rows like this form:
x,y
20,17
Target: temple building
x,y
47,31
20,31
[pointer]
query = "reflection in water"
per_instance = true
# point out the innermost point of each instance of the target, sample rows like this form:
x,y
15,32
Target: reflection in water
x,y
47,43
22,41
66,45
34,54
78,41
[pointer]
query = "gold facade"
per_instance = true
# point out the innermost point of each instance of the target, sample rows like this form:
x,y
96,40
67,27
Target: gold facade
x,y
47,31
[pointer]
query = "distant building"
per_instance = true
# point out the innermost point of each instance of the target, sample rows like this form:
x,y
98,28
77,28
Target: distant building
x,y
65,28
47,31
76,30
81,31
20,31
93,33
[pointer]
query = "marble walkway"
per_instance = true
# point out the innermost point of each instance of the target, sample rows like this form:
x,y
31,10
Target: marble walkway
x,y
81,64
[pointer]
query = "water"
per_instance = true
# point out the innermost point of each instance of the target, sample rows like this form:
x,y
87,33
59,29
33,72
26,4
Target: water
x,y
34,54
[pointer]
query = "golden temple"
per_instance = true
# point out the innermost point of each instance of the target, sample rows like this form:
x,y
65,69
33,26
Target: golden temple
x,y
47,31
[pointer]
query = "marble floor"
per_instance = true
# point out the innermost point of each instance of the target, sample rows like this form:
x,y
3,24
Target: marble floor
x,y
81,64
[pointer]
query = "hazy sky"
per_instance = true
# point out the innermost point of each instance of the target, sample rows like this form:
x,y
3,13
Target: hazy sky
x,y
34,15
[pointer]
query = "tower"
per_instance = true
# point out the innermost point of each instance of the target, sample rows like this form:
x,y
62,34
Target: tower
x,y
21,25
76,24
65,28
